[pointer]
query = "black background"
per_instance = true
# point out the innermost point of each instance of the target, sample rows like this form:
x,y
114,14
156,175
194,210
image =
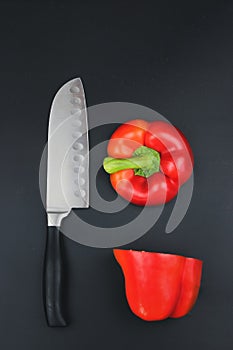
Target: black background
x,y
173,57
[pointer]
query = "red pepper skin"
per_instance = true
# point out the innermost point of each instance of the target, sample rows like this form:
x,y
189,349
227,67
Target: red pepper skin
x,y
155,190
190,287
175,151
176,161
127,138
159,285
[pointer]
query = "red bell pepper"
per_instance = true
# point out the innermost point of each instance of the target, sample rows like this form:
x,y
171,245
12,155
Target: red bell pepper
x,y
159,285
148,162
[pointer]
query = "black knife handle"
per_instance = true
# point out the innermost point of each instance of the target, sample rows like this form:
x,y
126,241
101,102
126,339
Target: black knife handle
x,y
54,278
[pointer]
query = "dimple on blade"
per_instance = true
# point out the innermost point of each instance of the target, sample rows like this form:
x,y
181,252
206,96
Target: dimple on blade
x,y
78,157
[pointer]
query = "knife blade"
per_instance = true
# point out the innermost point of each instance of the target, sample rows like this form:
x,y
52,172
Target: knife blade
x,y
67,186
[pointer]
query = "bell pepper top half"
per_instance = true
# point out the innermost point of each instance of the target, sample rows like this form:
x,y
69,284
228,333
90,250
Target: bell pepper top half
x,y
148,162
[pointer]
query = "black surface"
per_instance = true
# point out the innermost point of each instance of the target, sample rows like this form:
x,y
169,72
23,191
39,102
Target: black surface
x,y
173,57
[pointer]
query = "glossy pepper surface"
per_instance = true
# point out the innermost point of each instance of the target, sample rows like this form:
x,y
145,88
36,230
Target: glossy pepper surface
x,y
159,285
148,162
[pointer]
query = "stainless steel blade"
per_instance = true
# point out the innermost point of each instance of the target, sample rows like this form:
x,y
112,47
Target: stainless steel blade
x,y
68,153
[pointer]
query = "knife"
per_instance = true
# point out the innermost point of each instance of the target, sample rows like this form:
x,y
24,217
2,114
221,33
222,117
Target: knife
x,y
67,187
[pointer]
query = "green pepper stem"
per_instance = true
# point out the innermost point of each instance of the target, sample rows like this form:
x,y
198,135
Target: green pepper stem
x,y
145,162
112,165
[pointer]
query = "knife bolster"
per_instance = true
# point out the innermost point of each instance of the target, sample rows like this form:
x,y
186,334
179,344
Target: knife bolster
x,y
55,218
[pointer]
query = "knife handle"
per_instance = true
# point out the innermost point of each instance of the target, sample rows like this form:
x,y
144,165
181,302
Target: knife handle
x,y
54,278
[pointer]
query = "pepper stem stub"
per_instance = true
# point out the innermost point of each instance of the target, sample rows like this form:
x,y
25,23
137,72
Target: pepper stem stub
x,y
145,162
